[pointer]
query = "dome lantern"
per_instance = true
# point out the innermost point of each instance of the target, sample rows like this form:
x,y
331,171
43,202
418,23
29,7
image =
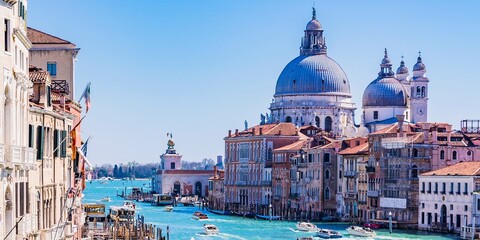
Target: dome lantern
x,y
386,66
313,42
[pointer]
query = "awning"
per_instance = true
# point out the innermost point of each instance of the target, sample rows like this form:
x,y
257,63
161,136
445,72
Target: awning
x,y
85,159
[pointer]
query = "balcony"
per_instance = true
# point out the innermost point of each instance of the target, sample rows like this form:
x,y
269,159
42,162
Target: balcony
x,y
373,194
351,174
301,164
370,169
60,86
351,195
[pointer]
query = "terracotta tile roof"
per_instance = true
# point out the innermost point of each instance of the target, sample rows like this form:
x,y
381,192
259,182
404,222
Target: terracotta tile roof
x,y
39,37
460,169
284,129
38,76
360,149
293,147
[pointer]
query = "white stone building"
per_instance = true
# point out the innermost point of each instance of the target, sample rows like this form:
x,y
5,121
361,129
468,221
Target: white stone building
x,y
16,158
172,179
393,94
446,199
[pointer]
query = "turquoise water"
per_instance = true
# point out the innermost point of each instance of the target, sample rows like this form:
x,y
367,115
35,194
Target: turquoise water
x,y
231,227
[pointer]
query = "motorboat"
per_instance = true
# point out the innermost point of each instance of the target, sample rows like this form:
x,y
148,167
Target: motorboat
x,y
122,214
168,208
361,231
129,204
199,216
307,227
372,225
210,229
106,199
327,233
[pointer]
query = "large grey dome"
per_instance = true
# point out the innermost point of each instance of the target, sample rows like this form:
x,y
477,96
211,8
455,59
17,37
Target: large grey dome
x,y
383,92
313,74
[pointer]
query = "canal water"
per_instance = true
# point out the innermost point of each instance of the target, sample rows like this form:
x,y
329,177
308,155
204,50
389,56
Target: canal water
x,y
182,226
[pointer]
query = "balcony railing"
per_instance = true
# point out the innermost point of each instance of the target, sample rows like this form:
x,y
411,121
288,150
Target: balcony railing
x,y
373,194
350,195
267,183
351,174
60,86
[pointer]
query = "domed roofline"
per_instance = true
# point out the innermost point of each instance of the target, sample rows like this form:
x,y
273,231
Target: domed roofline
x,y
419,66
402,69
386,66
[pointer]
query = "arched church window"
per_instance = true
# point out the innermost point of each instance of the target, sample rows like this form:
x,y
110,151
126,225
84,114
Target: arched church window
x,y
328,124
442,154
423,91
327,193
454,155
317,121
288,119
327,174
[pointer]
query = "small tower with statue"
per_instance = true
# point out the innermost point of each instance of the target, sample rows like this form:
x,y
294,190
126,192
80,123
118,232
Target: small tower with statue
x,y
171,159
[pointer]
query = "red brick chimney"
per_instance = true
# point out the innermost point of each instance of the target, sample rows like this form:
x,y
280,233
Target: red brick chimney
x,y
236,132
261,132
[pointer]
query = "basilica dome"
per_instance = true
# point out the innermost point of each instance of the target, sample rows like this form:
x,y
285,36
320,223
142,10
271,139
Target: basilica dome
x,y
312,74
383,92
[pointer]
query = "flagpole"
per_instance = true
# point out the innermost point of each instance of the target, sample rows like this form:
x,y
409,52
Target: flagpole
x,y
60,144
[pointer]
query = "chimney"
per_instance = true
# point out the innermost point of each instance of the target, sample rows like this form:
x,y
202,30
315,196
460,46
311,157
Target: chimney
x,y
253,131
229,133
400,119
260,131
236,132
214,171
426,130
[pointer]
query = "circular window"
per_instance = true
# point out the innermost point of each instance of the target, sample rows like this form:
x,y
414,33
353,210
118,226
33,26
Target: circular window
x,y
469,153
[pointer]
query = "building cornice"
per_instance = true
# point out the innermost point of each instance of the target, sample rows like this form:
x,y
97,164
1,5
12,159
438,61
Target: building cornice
x,y
19,34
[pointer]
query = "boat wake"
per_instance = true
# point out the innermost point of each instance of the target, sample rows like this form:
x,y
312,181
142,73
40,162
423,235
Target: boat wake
x,y
294,230
219,236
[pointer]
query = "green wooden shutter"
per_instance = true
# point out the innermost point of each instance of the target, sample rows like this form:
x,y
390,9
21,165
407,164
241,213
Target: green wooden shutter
x,y
63,148
40,142
55,143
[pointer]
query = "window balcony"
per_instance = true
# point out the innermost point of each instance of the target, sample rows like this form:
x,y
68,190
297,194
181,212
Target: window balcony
x,y
60,86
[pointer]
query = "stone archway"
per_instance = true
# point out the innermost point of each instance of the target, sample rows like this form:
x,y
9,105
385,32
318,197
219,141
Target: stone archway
x,y
176,188
9,218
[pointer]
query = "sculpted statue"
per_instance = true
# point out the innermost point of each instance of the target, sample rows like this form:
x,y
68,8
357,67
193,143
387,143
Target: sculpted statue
x,y
262,119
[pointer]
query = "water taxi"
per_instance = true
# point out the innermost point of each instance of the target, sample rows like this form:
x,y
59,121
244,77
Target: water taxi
x,y
361,231
210,229
307,227
129,204
122,213
327,234
199,216
168,208
105,199
95,212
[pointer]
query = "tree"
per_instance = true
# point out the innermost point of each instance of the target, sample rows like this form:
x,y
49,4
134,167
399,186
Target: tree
x,y
102,173
115,171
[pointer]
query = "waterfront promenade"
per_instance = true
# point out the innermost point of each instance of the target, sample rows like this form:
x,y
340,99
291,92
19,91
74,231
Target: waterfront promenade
x,y
231,227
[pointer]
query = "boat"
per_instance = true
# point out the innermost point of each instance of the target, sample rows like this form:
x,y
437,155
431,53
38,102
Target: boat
x,y
305,238
372,225
129,204
220,212
199,216
95,212
122,213
307,227
162,199
328,233
210,229
361,231
168,208
106,199
268,217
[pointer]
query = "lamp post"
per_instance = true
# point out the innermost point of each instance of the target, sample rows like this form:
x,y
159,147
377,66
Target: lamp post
x,y
390,221
270,211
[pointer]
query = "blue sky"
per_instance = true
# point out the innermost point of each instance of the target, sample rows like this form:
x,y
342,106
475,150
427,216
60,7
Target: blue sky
x,y
200,68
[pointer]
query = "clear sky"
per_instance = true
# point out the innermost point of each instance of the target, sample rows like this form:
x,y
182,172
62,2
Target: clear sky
x,y
200,68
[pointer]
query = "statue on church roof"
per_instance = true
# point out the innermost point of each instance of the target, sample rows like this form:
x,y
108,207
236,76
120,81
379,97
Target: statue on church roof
x,y
262,119
170,144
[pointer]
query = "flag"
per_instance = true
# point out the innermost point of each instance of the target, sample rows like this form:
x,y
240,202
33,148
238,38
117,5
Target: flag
x,y
73,135
84,147
86,95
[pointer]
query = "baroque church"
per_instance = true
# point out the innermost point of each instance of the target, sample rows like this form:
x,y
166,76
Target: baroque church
x,y
314,90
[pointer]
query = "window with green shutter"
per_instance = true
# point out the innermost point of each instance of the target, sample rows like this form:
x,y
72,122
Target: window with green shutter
x,y
63,148
40,142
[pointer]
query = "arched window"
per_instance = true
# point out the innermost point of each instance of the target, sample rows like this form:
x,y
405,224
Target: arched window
x,y
414,171
454,155
317,121
418,92
327,193
415,152
328,124
288,119
327,174
269,154
423,92
442,154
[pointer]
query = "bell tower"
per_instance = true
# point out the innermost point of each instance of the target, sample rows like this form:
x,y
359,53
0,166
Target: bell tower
x,y
419,92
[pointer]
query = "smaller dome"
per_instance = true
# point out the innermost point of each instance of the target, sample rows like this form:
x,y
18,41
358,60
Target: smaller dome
x,y
314,24
386,60
419,66
402,69
385,92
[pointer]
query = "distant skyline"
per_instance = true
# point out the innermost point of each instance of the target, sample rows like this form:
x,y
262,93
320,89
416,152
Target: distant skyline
x,y
198,69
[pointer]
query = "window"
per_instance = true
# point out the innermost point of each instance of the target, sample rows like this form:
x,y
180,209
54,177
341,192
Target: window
x,y
49,96
451,207
478,204
444,186
423,92
451,188
63,145
436,188
423,218
429,187
30,135
442,154
326,157
458,220
317,121
172,165
423,187
327,174
465,208
310,157
327,193
454,155
375,114
436,206
40,142
423,205
466,189
328,124
459,188
288,119
415,152
52,68
340,174
55,143
414,171
6,35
